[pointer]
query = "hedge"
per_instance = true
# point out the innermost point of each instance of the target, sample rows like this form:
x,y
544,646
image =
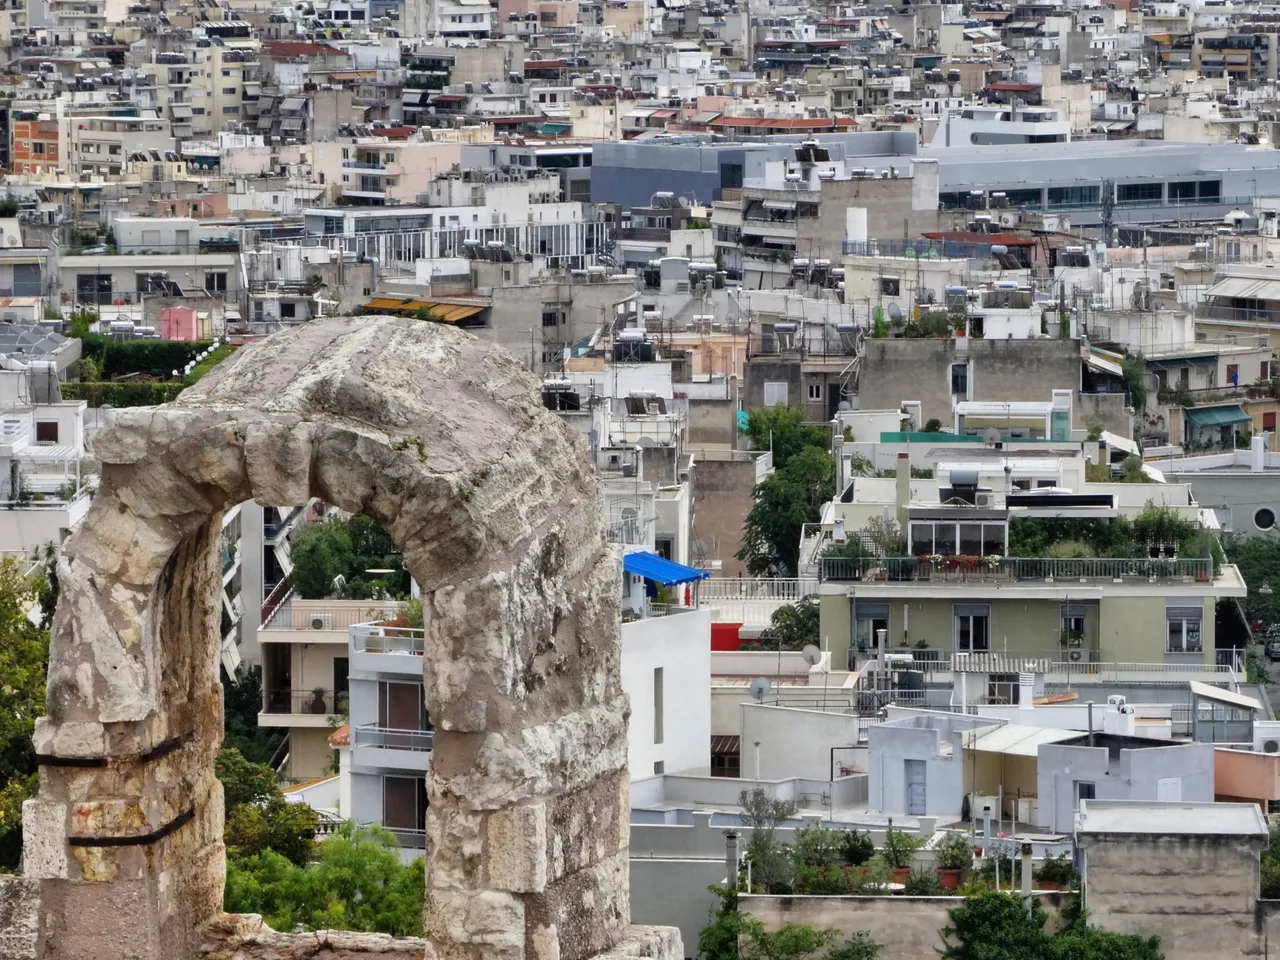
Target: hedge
x,y
199,370
155,358
122,393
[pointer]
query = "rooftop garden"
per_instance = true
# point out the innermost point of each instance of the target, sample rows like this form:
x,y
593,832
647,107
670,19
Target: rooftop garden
x,y
136,373
351,559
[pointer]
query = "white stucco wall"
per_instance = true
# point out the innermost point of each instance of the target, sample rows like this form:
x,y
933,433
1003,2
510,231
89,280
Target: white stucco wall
x,y
680,645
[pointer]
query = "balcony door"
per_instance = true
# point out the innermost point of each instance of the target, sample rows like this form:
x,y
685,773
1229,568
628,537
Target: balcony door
x,y
404,803
972,630
401,706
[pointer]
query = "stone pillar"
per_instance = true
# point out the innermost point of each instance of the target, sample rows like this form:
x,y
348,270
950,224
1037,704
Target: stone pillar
x,y
441,439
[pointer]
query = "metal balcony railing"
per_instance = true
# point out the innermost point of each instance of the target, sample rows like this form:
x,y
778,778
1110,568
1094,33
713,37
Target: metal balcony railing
x,y
411,838
781,589
976,569
303,616
314,702
372,735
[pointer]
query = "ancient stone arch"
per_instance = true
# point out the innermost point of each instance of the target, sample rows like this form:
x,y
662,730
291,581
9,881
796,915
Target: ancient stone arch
x,y
442,440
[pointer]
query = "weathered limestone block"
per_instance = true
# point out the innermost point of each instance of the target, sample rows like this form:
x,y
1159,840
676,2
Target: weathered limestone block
x,y
443,440
19,917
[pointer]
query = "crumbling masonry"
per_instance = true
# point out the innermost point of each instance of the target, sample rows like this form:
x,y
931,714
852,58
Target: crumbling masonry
x,y
442,440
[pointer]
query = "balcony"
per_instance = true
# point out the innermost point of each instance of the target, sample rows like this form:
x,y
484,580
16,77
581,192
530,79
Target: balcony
x,y
385,748
270,531
409,838
998,570
324,621
363,165
310,708
378,649
1060,666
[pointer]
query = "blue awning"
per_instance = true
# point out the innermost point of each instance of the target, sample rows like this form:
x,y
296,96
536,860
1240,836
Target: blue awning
x,y
555,129
653,567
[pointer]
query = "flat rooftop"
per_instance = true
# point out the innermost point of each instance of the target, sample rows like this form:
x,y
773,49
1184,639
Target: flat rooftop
x,y
1180,818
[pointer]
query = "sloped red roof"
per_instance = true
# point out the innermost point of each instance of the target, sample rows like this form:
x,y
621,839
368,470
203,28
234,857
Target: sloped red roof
x,y
341,737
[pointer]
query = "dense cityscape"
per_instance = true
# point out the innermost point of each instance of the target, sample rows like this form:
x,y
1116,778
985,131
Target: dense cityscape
x,y
671,479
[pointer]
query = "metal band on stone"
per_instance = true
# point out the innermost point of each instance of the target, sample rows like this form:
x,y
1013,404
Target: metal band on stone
x,y
160,750
173,825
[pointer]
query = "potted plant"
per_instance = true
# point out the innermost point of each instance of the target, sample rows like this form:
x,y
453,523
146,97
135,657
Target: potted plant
x,y
317,701
856,848
954,856
922,883
896,853
1055,873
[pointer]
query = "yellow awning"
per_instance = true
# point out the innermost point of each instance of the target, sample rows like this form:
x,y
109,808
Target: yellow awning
x,y
444,312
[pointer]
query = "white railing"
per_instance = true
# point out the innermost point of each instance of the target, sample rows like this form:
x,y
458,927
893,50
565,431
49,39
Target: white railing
x,y
377,638
292,615
759,588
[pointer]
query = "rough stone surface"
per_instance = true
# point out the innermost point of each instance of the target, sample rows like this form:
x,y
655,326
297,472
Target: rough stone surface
x,y
19,917
441,439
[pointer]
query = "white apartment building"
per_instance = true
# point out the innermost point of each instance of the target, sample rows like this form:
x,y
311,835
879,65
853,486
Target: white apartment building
x,y
202,90
525,215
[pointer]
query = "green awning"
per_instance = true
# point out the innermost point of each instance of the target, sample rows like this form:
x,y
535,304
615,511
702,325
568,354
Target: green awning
x,y
1216,416
555,129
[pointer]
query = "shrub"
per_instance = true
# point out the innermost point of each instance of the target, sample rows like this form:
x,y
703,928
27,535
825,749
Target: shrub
x,y
898,848
922,883
1057,870
125,394
955,852
856,848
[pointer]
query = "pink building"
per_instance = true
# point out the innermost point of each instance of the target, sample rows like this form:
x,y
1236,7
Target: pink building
x,y
548,13
179,323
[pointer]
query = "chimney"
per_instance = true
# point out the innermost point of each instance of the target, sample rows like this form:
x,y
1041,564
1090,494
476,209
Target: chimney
x,y
1026,871
731,860
1026,691
1258,453
904,489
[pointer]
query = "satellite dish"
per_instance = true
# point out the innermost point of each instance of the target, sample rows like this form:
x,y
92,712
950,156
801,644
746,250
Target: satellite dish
x,y
812,655
895,312
845,405
759,688
991,436
928,296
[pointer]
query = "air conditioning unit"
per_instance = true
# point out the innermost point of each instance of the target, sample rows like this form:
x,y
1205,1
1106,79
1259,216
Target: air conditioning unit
x,y
1266,736
321,621
984,499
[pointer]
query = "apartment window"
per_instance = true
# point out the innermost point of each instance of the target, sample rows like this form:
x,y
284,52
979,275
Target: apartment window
x,y
890,286
1269,422
1182,626
815,391
197,111
550,318
215,282
229,90
226,73
972,633
1264,370
1233,373
775,393
1085,790
37,148
288,311
1139,192
46,431
657,704
388,157
1073,625
869,617
346,154
960,379
227,111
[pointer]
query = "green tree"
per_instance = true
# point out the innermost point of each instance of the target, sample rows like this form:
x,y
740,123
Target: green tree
x,y
1259,561
24,661
1090,943
719,938
1134,368
784,503
356,882
320,553
783,431
791,626
731,936
241,704
258,817
771,867
994,926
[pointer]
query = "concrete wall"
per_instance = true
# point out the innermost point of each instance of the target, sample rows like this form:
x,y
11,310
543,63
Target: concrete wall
x,y
680,645
896,370
757,372
713,421
673,893
1245,775
309,752
1198,894
1134,776
722,498
794,743
889,745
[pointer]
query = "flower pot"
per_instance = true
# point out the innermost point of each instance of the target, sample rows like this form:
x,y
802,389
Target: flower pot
x,y
899,874
948,879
